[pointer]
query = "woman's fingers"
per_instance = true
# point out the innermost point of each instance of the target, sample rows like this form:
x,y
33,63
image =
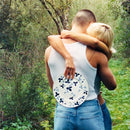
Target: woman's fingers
x,y
69,73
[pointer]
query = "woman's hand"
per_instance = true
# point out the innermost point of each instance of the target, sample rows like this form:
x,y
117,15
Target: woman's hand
x,y
69,68
65,34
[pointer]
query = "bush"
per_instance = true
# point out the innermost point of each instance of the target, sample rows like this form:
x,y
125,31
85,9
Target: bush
x,y
19,125
33,99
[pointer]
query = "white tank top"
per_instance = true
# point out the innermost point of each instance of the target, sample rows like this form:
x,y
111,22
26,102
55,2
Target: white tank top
x,y
78,52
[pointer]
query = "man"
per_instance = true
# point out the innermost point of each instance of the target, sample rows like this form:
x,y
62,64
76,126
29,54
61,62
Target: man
x,y
55,64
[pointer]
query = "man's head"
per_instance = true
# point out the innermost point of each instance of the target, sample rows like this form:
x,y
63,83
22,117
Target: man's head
x,y
101,31
83,18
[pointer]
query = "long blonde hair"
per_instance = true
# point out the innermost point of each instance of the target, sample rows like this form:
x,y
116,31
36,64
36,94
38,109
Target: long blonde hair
x,y
101,31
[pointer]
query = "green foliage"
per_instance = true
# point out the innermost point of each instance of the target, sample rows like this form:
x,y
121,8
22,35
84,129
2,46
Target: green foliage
x,y
20,125
5,25
122,35
118,100
33,98
22,24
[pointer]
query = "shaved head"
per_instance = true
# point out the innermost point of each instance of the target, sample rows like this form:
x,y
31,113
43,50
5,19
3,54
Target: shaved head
x,y
84,17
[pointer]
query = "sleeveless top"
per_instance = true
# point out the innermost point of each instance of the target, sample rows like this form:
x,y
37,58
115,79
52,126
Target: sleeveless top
x,y
78,52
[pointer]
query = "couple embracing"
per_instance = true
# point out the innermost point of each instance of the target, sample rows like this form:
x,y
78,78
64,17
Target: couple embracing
x,y
84,49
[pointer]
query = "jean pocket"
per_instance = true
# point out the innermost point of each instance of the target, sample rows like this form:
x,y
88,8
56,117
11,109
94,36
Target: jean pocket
x,y
62,114
91,122
90,115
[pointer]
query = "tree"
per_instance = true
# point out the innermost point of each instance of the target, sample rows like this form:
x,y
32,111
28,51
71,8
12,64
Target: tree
x,y
4,24
126,5
59,12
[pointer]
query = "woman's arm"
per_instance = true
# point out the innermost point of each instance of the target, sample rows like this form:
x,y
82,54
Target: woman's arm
x,y
87,40
56,42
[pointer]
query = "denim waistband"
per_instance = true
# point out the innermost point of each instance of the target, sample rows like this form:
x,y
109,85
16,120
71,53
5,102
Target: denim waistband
x,y
85,104
89,103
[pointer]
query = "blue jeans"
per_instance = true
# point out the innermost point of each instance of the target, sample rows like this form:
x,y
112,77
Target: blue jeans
x,y
106,117
87,116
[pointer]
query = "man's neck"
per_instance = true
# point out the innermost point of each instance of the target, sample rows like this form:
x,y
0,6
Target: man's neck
x,y
68,41
78,29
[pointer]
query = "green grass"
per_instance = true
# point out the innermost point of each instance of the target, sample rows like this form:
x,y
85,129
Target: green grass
x,y
118,100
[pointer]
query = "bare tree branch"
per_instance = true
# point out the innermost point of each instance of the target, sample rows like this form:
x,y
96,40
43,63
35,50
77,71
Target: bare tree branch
x,y
61,14
50,13
45,28
56,11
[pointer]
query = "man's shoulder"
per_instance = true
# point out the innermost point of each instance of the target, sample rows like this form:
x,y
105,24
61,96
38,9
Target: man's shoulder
x,y
68,41
47,53
48,49
98,54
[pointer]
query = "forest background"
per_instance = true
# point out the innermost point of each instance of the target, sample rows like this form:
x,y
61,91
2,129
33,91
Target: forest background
x,y
26,100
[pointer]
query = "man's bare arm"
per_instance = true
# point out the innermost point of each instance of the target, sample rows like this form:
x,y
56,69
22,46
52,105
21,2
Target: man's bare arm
x,y
105,73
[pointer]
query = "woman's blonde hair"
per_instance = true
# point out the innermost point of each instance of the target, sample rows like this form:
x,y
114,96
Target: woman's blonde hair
x,y
101,31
